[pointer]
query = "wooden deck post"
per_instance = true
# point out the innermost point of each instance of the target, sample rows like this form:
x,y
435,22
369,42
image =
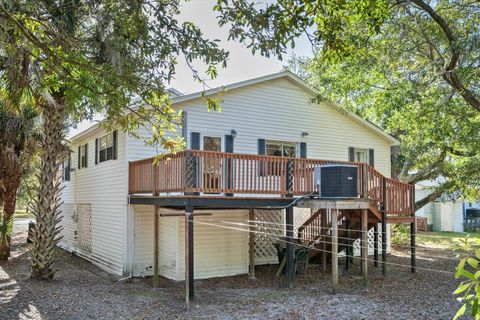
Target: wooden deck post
x,y
375,245
323,232
334,215
290,247
413,260
251,243
189,258
155,248
364,248
384,227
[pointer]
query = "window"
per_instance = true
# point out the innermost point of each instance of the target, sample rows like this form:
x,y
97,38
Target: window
x,y
212,167
360,155
281,148
212,144
105,148
83,156
66,168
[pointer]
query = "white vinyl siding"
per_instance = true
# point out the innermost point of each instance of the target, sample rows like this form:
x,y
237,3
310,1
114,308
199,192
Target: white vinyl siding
x,y
103,186
280,110
218,251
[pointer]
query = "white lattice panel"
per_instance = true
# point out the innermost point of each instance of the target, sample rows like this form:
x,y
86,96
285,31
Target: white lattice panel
x,y
83,217
265,251
371,244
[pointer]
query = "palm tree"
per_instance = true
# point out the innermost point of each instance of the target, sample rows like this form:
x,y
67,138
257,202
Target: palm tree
x,y
18,139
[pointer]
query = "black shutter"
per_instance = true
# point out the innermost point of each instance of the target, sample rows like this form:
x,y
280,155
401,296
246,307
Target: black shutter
x,y
69,169
195,140
96,151
228,163
229,143
351,154
371,157
79,158
262,151
184,127
115,144
261,146
86,155
303,150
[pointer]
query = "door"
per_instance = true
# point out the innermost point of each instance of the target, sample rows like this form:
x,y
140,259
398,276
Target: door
x,y
212,166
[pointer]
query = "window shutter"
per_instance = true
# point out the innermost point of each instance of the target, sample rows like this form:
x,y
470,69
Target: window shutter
x,y
96,151
184,126
79,158
229,143
371,157
262,151
86,155
303,149
195,140
115,145
261,147
351,154
228,163
69,166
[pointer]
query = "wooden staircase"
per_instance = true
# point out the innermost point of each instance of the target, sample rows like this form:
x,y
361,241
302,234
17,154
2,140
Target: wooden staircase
x,y
316,232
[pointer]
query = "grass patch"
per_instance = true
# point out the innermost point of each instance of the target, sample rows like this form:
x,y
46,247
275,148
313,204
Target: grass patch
x,y
450,240
21,214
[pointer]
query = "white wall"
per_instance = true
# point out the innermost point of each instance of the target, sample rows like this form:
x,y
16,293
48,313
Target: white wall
x,y
219,251
104,186
281,110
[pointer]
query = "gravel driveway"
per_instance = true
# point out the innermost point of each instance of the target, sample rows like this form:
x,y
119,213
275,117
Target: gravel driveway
x,y
82,291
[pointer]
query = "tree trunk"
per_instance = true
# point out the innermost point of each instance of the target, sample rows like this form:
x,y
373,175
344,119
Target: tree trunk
x,y
46,209
10,200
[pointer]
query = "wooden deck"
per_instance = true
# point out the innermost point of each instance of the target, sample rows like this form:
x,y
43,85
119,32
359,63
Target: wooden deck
x,y
219,174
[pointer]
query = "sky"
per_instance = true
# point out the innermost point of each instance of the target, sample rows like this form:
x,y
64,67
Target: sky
x,y
242,64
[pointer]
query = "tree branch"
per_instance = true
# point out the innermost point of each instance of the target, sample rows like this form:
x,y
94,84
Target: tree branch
x,y
437,192
450,75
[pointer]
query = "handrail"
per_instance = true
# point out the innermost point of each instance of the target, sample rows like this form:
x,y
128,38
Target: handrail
x,y
195,171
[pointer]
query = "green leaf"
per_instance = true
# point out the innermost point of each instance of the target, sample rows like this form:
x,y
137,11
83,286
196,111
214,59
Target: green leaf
x,y
473,262
474,307
462,287
460,312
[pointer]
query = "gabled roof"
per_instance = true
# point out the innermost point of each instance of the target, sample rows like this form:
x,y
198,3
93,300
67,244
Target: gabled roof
x,y
301,83
284,74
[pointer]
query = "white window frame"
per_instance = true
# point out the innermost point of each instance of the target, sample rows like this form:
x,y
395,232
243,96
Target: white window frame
x,y
83,155
365,150
202,137
297,146
106,147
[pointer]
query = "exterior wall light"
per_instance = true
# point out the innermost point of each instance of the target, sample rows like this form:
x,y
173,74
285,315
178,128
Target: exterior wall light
x,y
304,134
233,133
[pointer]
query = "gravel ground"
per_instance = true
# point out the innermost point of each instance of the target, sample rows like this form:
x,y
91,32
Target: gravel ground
x,y
82,291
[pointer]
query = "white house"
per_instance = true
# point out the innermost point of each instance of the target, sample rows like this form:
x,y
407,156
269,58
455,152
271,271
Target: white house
x,y
445,213
272,115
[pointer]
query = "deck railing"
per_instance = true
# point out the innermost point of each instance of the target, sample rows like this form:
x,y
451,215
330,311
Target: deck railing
x,y
195,171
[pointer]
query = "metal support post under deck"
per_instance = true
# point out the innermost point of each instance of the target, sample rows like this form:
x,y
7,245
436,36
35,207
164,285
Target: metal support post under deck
x,y
251,243
155,248
413,261
364,248
347,250
334,215
189,276
375,245
290,247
